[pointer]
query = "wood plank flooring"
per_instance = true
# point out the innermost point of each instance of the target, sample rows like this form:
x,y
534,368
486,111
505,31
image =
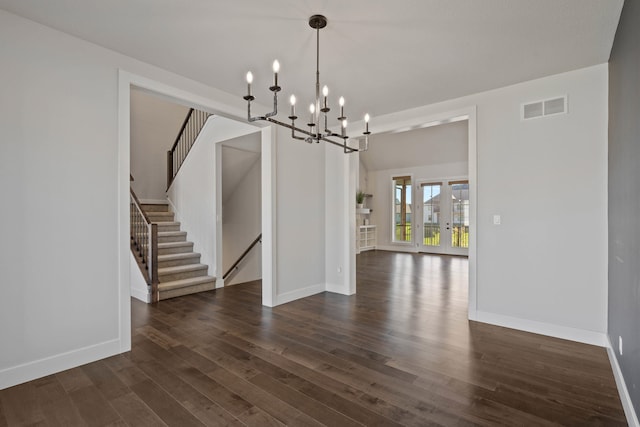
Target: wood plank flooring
x,y
400,352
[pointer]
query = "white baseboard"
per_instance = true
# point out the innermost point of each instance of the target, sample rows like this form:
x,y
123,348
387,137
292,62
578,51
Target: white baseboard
x,y
623,391
60,362
338,289
299,293
557,331
153,201
141,295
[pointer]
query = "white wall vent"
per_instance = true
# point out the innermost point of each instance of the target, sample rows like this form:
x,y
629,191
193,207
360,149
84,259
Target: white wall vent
x,y
547,107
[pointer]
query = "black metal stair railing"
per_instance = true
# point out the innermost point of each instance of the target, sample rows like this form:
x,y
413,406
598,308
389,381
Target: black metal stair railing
x,y
193,124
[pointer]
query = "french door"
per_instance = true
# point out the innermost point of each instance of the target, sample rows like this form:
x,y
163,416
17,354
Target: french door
x,y
442,212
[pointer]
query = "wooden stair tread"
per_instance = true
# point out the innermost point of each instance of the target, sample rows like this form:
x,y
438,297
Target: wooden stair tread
x,y
173,245
173,257
172,233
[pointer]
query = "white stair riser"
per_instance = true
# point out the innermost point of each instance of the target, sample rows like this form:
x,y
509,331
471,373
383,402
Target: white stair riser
x,y
182,275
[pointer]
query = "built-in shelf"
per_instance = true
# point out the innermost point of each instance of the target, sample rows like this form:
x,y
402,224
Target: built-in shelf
x,y
363,211
366,237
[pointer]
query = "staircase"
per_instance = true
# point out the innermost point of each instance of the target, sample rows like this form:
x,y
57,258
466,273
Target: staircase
x,y
179,269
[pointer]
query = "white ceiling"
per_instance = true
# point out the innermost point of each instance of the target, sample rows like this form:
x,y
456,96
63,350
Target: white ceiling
x,y
382,55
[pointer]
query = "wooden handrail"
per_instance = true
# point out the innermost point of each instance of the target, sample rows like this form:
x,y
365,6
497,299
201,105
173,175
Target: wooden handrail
x,y
244,254
139,206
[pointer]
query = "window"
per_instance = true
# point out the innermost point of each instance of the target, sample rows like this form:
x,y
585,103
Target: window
x,y
431,213
459,214
402,208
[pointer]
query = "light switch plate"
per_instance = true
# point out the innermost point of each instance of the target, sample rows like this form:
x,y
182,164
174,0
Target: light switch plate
x,y
496,220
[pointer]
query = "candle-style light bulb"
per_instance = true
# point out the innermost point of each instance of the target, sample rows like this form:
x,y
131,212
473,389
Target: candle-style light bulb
x,y
325,93
249,81
292,100
312,110
344,127
276,69
341,102
366,123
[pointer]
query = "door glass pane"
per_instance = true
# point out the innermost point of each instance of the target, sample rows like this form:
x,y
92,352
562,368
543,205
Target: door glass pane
x,y
431,214
460,215
402,209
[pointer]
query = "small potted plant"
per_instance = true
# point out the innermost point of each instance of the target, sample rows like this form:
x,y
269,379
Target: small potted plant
x,y
360,199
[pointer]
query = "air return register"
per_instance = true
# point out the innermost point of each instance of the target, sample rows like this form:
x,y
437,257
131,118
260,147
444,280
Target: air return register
x,y
547,107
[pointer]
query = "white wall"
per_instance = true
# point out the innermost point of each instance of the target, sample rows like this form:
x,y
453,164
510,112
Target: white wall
x,y
300,201
155,123
195,194
339,216
241,224
544,268
363,176
64,255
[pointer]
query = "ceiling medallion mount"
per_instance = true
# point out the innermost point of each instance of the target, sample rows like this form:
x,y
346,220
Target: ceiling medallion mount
x,y
317,110
317,22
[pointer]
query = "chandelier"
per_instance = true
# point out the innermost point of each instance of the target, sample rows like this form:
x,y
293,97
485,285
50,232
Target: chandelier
x,y
317,110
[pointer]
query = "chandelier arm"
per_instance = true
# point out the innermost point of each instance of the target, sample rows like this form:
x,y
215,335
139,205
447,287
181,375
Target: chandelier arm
x,y
252,119
293,131
312,135
275,105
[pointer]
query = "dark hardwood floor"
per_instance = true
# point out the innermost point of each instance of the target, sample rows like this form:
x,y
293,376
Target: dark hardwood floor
x,y
400,352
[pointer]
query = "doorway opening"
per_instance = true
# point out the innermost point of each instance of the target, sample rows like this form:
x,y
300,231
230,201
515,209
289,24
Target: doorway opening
x,y
240,173
422,188
126,82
